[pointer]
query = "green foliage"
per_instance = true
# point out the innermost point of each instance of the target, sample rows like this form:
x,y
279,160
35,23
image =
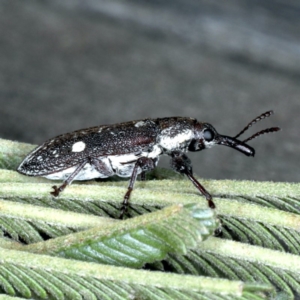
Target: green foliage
x,y
74,246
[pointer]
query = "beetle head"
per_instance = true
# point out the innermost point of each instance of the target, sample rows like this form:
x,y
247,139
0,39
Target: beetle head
x,y
206,136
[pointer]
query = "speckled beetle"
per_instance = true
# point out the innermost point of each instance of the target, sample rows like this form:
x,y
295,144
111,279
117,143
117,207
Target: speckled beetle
x,y
128,149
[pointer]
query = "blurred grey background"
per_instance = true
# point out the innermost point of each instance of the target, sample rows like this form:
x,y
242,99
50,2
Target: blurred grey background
x,y
66,65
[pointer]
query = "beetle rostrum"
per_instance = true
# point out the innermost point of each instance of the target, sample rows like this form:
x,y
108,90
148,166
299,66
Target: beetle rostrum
x,y
128,149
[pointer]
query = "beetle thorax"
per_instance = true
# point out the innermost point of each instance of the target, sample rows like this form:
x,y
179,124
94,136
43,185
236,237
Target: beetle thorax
x,y
171,140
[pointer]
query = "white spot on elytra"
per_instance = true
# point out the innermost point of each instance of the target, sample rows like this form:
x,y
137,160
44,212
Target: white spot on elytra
x,y
78,147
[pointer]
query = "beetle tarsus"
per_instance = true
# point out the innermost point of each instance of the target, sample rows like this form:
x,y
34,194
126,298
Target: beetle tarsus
x,y
207,195
218,232
58,190
211,204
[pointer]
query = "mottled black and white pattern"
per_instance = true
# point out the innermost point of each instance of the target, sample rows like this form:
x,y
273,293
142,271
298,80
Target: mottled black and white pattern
x,y
115,146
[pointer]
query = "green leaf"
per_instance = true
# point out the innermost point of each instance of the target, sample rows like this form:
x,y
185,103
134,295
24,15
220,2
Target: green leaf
x,y
12,153
137,241
237,261
265,214
241,221
31,224
41,277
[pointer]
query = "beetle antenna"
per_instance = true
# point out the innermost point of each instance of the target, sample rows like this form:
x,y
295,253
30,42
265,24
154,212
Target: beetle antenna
x,y
262,116
255,135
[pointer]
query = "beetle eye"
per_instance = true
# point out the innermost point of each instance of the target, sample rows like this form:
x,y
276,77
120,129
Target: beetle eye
x,y
208,135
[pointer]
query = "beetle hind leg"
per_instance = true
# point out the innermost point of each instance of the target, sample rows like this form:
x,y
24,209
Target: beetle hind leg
x,y
145,164
58,190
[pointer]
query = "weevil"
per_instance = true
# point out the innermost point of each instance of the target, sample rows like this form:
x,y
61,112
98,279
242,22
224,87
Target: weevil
x,y
130,148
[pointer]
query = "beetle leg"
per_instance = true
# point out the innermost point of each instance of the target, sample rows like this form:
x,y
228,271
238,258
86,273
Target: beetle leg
x,y
102,167
143,176
146,164
182,164
68,181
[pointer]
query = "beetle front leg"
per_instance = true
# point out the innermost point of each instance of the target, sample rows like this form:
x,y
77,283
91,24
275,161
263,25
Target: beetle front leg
x,y
146,164
182,164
